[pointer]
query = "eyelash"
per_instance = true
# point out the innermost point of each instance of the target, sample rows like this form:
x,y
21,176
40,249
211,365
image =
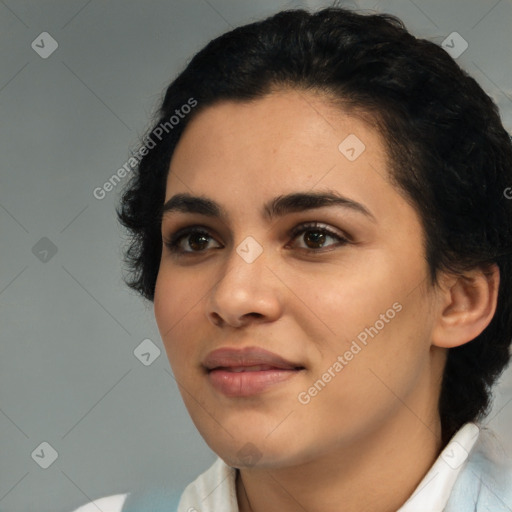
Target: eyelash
x,y
173,242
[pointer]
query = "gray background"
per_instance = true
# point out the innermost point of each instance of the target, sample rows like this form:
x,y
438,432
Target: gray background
x,y
69,327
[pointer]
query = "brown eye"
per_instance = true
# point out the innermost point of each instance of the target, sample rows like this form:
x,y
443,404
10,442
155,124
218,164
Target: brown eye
x,y
318,237
195,239
315,236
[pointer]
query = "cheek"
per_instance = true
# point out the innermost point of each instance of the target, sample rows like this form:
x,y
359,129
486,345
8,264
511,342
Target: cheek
x,y
164,304
178,294
175,305
380,362
380,307
351,297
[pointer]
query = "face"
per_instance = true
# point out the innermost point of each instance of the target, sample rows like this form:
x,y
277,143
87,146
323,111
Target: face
x,y
336,289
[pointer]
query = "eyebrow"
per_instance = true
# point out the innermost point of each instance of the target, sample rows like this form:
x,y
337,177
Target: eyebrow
x,y
277,207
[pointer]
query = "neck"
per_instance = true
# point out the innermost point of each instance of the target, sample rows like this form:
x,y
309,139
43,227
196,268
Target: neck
x,y
377,472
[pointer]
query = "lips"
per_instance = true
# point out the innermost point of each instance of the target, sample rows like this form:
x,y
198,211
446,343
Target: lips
x,y
247,359
256,368
238,373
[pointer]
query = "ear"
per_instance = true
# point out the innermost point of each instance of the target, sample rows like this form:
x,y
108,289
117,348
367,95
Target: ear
x,y
466,306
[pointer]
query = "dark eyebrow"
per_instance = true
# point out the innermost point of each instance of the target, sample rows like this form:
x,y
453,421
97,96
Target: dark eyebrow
x,y
277,207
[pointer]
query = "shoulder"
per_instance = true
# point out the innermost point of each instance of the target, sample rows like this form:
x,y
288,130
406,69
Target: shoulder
x,y
485,481
112,503
211,491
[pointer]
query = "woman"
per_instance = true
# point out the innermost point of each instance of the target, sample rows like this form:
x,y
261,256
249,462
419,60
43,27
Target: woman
x,y
320,218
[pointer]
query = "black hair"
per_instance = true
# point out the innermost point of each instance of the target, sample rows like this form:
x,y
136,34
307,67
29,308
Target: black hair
x,y
449,154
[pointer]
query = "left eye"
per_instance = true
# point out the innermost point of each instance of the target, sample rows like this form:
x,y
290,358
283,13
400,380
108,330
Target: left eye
x,y
316,235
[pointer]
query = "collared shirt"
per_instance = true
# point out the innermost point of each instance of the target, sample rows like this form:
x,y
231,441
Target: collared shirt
x,y
454,483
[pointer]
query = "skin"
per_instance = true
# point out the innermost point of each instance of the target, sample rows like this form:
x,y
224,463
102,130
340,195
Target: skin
x,y
369,436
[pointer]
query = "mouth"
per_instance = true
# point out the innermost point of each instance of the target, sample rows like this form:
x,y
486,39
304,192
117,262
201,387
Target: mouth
x,y
255,368
247,381
248,371
244,358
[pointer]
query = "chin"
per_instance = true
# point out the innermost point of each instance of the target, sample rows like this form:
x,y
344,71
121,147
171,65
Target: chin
x,y
246,452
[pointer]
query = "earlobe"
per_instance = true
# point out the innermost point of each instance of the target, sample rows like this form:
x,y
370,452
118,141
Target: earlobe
x,y
466,307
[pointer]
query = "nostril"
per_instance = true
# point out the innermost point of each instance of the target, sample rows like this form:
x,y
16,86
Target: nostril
x,y
217,320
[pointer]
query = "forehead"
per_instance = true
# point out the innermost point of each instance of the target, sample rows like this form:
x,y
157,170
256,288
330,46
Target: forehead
x,y
287,136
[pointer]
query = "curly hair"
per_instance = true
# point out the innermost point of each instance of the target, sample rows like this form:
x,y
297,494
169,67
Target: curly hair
x,y
448,154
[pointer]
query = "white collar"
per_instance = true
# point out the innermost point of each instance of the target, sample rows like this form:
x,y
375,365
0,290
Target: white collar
x,y
434,490
215,489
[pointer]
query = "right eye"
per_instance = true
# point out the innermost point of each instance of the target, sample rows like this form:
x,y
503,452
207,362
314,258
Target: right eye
x,y
195,238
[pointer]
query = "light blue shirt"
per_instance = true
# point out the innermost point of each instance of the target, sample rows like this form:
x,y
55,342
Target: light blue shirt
x,y
485,482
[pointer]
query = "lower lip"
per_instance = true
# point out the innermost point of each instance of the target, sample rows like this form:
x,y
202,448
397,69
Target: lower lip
x,y
248,383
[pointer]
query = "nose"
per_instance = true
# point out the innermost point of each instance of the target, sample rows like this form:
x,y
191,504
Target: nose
x,y
245,292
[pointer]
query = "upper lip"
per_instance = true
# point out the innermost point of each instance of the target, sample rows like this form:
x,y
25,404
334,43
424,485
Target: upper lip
x,y
250,356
